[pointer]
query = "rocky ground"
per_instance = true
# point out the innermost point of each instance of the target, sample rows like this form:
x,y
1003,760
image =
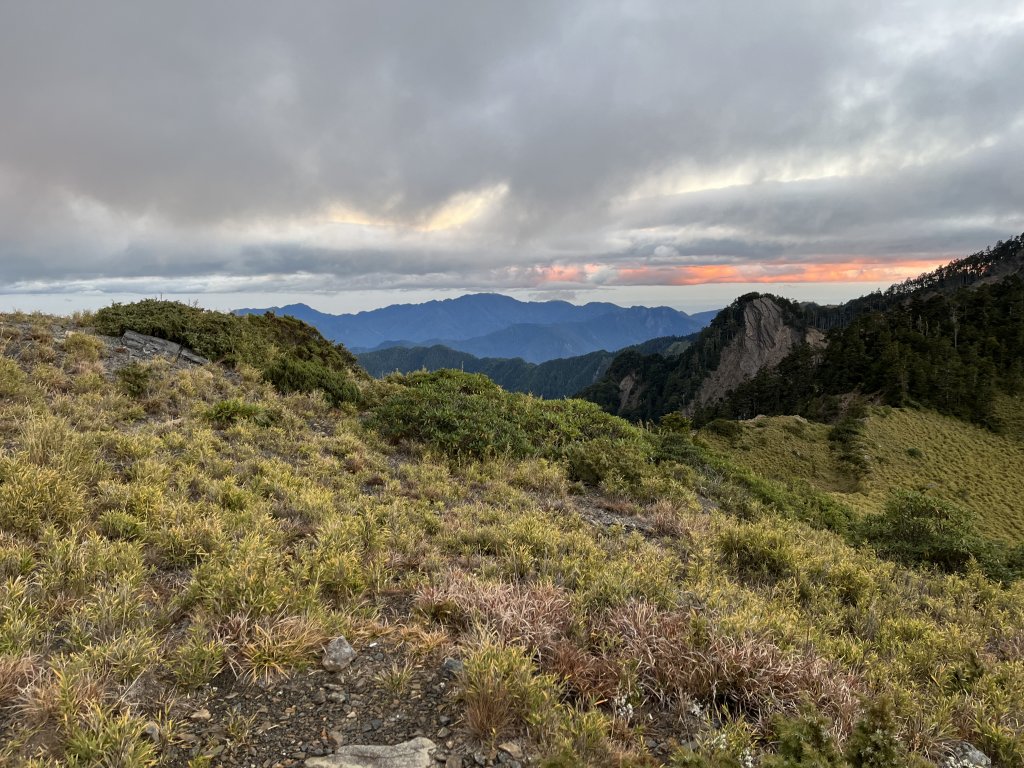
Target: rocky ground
x,y
382,697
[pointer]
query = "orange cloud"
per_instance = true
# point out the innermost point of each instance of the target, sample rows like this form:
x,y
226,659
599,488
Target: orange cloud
x,y
854,271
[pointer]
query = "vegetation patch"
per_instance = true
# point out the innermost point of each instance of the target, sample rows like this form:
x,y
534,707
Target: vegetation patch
x,y
289,353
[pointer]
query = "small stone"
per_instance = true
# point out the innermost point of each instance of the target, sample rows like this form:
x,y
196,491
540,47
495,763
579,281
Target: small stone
x,y
338,654
444,732
151,731
512,749
444,719
376,723
453,666
201,715
453,761
337,697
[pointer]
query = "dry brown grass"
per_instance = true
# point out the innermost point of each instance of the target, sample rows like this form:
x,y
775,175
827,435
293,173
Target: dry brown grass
x,y
681,654
535,616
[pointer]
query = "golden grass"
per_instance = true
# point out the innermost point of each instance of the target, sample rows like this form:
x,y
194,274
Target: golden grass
x,y
181,547
907,449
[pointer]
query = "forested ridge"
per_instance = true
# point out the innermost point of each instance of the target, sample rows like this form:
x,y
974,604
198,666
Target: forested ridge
x,y
949,340
949,352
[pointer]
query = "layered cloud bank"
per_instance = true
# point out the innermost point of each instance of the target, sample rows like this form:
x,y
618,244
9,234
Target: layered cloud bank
x,y
258,147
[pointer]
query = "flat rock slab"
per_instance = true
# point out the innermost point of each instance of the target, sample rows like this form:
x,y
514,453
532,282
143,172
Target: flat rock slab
x,y
415,753
148,346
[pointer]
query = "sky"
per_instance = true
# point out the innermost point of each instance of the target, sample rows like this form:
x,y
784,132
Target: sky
x,y
357,154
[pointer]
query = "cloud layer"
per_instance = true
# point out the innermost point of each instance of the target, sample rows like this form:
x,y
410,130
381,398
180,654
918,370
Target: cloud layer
x,y
323,146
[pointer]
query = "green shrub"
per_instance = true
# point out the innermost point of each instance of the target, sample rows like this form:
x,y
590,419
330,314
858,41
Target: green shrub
x,y
757,555
873,743
290,354
727,428
916,529
227,412
293,375
803,743
135,379
592,461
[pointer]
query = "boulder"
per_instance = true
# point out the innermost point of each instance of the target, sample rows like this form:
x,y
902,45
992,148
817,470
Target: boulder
x,y
963,754
150,346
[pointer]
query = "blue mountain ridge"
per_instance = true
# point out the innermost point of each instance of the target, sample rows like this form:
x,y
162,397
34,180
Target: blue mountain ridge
x,y
492,325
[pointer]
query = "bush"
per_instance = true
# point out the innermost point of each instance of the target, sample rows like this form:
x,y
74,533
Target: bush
x,y
593,461
290,354
466,416
228,412
915,529
803,743
873,743
135,379
757,555
727,428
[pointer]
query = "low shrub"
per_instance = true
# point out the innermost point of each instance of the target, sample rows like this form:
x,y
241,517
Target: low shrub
x,y
290,354
227,412
915,529
135,379
757,555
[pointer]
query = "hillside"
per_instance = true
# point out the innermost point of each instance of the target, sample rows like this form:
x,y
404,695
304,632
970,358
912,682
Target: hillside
x,y
562,377
957,462
203,566
489,325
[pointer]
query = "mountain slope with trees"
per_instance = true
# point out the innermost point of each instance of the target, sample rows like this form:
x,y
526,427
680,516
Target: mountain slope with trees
x,y
561,377
949,340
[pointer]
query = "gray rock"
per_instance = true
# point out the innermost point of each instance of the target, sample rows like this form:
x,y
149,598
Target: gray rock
x,y
151,731
414,753
150,346
963,754
453,666
512,749
337,655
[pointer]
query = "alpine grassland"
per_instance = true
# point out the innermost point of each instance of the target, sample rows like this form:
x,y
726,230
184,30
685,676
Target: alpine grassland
x,y
614,594
901,449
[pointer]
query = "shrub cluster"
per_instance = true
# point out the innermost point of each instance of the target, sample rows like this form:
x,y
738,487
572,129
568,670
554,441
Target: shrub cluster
x,y
290,354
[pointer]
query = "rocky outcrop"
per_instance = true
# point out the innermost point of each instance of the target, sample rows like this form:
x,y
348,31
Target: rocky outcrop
x,y
140,345
415,753
765,340
963,754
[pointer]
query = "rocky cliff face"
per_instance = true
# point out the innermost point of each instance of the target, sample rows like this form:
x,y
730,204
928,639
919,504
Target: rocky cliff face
x,y
753,333
764,341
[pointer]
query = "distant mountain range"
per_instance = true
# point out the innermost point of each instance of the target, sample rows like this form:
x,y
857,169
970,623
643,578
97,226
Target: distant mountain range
x,y
551,379
495,326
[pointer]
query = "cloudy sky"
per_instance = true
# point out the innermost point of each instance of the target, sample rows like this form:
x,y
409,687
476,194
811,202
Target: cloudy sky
x,y
361,153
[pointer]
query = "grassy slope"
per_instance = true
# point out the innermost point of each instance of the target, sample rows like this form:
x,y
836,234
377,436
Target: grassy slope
x,y
909,449
210,525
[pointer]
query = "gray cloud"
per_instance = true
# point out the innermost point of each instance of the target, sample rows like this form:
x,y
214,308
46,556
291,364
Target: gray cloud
x,y
329,146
